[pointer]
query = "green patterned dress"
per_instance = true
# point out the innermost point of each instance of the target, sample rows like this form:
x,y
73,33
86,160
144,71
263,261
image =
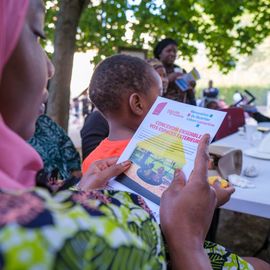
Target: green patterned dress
x,y
86,230
56,149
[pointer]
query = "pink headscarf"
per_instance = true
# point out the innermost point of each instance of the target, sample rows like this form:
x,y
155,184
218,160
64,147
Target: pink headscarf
x,y
12,14
19,162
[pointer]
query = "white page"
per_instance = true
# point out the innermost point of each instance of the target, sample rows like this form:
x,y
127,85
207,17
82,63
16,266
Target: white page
x,y
166,139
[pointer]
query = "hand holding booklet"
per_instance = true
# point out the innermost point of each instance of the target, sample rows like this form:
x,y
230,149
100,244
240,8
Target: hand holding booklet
x,y
167,139
184,81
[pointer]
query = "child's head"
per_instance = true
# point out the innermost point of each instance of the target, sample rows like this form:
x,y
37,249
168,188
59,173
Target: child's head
x,y
124,88
160,69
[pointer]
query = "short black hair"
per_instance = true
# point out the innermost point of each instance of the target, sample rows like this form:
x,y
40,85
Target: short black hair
x,y
162,44
116,76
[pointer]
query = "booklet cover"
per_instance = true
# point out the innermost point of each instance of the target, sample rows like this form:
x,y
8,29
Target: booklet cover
x,y
184,81
167,139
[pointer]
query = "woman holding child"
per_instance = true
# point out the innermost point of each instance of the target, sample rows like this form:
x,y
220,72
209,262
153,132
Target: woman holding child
x,y
85,229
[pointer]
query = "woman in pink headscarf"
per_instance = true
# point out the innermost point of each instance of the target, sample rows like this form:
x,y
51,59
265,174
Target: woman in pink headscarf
x,y
25,70
85,228
19,162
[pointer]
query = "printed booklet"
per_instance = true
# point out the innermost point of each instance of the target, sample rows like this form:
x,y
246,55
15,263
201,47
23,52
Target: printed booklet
x,y
166,139
184,81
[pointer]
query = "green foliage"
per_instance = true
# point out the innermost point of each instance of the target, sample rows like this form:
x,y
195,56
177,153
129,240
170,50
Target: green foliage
x,y
228,28
102,27
52,7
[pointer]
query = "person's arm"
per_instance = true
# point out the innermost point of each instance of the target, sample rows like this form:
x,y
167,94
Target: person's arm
x,y
95,129
253,112
260,117
185,256
186,211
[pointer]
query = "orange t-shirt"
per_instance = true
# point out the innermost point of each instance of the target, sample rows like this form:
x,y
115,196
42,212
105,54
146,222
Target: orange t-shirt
x,y
105,149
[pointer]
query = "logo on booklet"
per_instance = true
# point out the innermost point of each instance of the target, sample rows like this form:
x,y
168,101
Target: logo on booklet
x,y
159,108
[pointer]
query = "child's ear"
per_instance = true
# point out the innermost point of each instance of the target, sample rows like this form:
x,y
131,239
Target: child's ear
x,y
136,104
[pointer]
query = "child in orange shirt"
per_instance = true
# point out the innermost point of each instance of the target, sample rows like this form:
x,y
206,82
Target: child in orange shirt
x,y
123,88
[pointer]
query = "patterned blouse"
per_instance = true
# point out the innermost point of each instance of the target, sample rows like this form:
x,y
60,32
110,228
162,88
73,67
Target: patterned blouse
x,y
56,148
173,92
86,230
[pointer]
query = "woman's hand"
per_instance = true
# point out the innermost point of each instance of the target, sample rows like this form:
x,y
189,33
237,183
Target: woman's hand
x,y
186,211
192,84
223,194
174,75
101,171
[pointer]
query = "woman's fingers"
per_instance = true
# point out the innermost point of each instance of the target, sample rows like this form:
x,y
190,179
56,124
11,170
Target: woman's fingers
x,y
200,171
101,171
115,170
179,180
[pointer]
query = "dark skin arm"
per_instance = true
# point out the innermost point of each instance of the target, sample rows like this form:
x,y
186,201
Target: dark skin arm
x,y
196,201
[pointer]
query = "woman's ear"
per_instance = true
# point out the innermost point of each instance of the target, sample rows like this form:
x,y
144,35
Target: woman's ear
x,y
136,104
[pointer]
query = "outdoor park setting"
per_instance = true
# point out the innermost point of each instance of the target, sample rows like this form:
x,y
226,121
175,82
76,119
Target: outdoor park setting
x,y
227,41
78,83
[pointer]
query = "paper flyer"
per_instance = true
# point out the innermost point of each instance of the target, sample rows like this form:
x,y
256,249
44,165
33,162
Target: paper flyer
x,y
167,139
183,81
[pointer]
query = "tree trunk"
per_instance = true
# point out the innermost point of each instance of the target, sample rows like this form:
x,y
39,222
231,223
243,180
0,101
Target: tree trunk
x,y
64,48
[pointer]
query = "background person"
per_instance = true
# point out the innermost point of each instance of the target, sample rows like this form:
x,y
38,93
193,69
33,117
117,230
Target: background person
x,y
32,218
96,128
166,52
210,91
85,104
76,107
160,69
60,158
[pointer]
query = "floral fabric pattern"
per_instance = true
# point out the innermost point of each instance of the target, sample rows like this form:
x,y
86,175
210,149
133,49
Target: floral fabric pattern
x,y
86,230
55,147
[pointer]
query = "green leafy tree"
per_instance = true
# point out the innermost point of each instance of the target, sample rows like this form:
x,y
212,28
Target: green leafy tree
x,y
228,28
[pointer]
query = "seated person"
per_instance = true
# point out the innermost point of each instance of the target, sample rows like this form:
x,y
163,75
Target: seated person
x,y
212,104
210,92
60,157
136,86
210,97
84,229
94,130
160,69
